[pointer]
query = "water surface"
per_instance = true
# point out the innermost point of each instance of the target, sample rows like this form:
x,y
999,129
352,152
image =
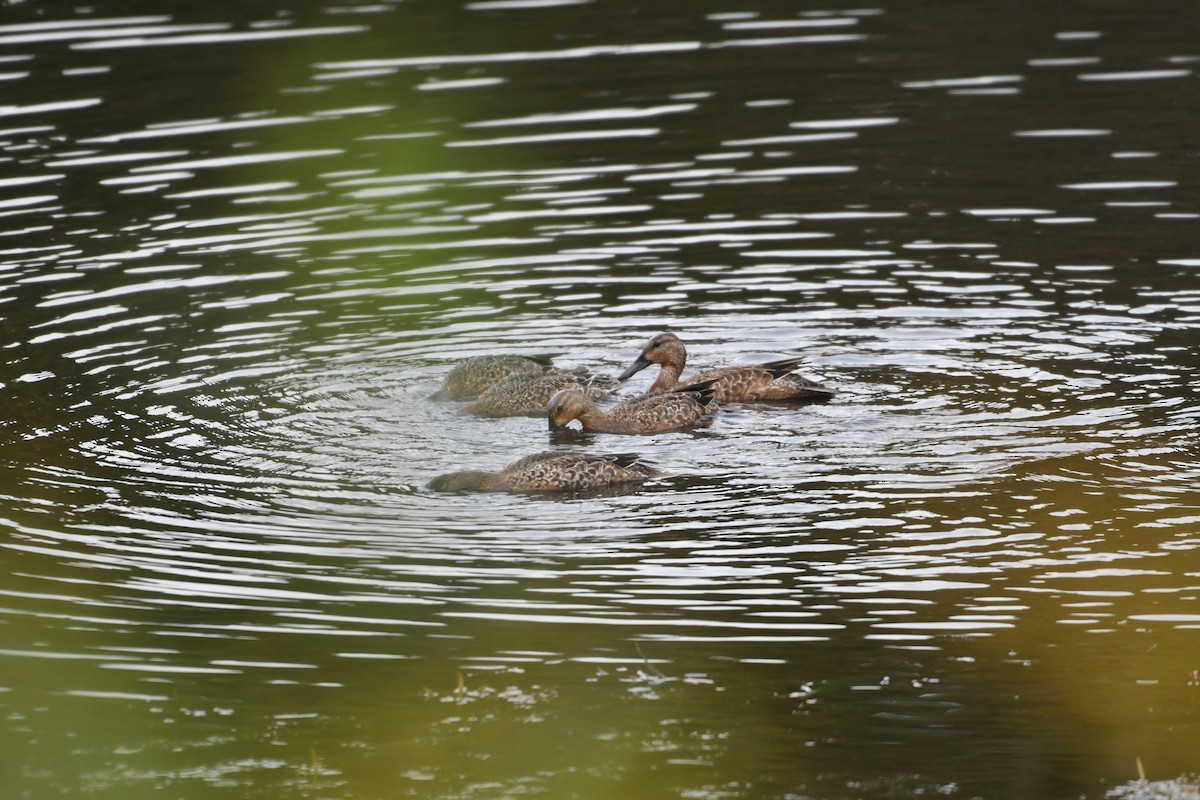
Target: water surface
x,y
243,243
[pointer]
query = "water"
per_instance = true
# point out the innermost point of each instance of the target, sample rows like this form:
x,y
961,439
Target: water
x,y
242,243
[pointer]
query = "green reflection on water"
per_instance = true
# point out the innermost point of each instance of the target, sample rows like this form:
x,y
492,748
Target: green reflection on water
x,y
698,724
129,682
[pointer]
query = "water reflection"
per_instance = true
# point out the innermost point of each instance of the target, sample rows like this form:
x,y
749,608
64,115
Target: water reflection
x,y
234,274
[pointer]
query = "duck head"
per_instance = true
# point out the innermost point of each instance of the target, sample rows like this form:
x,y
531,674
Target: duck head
x,y
663,348
566,405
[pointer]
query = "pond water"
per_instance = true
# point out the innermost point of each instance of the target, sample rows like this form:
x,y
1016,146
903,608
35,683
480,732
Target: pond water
x,y
242,242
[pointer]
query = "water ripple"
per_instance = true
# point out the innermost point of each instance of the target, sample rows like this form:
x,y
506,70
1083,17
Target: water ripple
x,y
117,39
224,314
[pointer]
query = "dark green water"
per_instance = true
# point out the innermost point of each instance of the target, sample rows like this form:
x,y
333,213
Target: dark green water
x,y
240,243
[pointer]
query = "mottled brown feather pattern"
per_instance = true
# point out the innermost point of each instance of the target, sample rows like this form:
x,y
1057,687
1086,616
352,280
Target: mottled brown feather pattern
x,y
525,394
671,411
770,381
475,375
552,471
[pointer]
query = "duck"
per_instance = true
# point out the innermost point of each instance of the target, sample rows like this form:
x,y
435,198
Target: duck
x,y
473,376
773,380
553,471
675,410
525,394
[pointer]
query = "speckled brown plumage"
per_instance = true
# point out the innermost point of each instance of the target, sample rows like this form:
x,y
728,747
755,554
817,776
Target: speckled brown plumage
x,y
552,471
657,413
773,380
525,394
473,376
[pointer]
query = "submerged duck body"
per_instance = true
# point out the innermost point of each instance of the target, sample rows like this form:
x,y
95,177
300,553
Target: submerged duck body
x,y
773,380
525,394
657,413
473,376
552,471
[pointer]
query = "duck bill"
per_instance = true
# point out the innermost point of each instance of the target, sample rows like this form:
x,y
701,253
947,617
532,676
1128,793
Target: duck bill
x,y
637,366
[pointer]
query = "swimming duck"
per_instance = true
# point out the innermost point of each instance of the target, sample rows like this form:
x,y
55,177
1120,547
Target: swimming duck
x,y
655,413
770,381
473,376
552,471
525,394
